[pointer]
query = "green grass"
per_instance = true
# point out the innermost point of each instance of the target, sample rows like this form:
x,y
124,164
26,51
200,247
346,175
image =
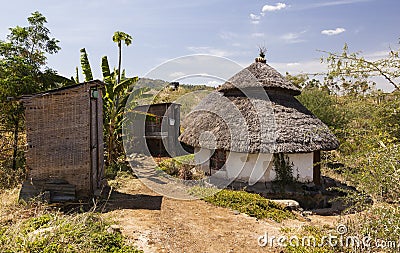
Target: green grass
x,y
251,204
57,232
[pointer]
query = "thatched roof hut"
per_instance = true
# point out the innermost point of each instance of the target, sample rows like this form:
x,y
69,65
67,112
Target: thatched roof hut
x,y
255,111
289,127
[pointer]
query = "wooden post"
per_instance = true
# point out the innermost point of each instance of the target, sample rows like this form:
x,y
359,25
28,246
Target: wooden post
x,y
317,168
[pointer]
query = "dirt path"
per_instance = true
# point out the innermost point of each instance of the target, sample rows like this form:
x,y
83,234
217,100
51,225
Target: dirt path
x,y
159,224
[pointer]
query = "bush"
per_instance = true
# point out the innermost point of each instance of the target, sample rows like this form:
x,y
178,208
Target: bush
x,y
181,167
251,204
376,172
10,178
112,170
56,232
324,106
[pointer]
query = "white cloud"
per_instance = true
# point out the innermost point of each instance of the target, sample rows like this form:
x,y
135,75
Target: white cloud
x,y
255,19
228,35
214,83
275,7
337,31
254,16
292,38
209,50
334,3
177,74
257,35
294,68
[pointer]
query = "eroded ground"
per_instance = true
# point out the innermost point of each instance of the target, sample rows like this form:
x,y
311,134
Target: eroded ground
x,y
159,224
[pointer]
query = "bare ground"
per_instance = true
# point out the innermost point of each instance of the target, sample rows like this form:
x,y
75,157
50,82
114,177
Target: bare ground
x,y
159,224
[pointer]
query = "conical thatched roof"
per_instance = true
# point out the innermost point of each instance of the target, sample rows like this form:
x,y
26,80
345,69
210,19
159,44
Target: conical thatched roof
x,y
259,74
256,112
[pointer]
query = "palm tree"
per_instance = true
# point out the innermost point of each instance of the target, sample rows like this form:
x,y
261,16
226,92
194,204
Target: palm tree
x,y
118,37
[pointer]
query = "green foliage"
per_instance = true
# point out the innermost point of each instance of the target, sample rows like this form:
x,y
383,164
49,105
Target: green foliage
x,y
181,167
379,222
9,177
86,69
23,71
118,37
56,232
115,98
323,105
379,225
350,72
112,170
376,172
251,204
315,241
283,169
369,147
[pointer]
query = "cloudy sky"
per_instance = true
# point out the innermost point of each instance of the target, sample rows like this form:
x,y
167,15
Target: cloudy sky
x,y
292,31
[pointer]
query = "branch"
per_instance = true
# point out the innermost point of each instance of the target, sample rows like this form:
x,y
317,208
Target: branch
x,y
372,64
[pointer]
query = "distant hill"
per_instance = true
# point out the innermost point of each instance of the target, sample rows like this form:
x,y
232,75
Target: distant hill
x,y
159,91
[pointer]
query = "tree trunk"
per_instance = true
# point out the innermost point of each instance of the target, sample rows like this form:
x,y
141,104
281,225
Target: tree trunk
x,y
15,145
119,61
119,70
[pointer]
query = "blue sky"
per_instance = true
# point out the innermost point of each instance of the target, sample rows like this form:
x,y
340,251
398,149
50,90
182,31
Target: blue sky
x,y
292,31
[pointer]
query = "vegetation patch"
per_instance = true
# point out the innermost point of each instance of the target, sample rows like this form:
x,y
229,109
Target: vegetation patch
x,y
35,227
56,232
283,169
182,167
313,239
251,204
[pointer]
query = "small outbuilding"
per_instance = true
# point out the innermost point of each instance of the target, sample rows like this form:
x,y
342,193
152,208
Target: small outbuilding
x,y
64,131
156,127
253,119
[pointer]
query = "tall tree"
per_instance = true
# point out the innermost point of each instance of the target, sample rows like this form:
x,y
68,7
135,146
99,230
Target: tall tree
x,y
23,70
118,37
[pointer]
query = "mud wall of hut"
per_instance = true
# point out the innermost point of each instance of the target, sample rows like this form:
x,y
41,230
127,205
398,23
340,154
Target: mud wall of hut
x,y
254,168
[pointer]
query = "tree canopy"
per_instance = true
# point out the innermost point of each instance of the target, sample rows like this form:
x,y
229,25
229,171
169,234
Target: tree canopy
x,y
23,70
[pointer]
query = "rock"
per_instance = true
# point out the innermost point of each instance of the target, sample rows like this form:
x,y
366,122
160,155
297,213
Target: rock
x,y
306,213
289,204
325,211
113,229
236,212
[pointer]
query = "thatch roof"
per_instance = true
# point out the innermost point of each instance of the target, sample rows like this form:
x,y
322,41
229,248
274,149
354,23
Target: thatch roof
x,y
259,74
256,125
255,112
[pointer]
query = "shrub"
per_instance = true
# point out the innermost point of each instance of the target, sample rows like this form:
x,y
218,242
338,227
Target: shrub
x,y
112,170
56,232
181,167
251,204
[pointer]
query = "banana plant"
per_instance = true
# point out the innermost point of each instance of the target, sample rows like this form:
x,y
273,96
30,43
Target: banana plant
x,y
115,97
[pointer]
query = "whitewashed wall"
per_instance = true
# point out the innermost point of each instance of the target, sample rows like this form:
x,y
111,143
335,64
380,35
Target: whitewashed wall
x,y
303,166
254,168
